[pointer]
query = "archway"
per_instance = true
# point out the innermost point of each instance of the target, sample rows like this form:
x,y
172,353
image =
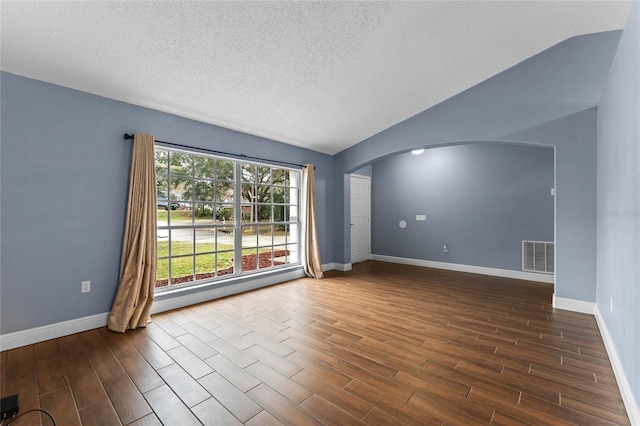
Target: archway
x,y
465,206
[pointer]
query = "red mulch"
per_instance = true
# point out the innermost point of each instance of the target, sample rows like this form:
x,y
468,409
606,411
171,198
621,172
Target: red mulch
x,y
248,264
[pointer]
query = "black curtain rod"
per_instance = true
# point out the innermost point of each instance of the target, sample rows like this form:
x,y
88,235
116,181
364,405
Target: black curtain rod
x,y
127,136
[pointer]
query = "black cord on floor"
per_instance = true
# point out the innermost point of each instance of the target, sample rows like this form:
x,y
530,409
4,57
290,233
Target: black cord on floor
x,y
31,411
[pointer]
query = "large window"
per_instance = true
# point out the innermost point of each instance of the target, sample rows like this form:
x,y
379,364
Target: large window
x,y
219,217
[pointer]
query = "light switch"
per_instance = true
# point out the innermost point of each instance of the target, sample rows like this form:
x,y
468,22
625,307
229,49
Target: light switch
x,y
421,217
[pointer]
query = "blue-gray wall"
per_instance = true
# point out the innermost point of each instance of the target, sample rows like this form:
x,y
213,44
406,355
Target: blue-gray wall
x,y
544,94
575,140
619,201
364,171
64,176
480,199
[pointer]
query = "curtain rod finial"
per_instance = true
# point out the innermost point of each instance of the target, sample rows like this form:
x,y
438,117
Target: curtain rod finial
x,y
127,136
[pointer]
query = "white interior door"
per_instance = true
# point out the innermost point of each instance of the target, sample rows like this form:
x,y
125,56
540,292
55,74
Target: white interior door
x,y
360,218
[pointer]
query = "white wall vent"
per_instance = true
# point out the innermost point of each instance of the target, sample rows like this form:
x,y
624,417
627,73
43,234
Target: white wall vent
x,y
538,256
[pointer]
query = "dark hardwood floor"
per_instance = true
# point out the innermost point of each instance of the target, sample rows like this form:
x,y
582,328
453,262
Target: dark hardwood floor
x,y
383,344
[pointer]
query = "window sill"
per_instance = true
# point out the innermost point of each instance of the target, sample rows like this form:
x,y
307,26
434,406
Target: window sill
x,y
225,282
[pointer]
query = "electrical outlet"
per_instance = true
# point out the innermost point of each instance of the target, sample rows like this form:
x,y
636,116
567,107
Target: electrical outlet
x,y
9,407
446,248
86,286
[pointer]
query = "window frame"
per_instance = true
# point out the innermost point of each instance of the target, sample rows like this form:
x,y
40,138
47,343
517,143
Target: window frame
x,y
291,202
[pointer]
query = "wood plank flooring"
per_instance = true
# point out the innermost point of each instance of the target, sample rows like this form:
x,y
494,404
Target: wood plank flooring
x,y
383,344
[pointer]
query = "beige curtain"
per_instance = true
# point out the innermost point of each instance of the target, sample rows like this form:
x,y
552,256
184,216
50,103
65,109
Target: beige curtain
x,y
133,302
311,262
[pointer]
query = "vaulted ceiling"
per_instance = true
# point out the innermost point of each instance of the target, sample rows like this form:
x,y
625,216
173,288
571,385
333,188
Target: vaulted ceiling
x,y
320,75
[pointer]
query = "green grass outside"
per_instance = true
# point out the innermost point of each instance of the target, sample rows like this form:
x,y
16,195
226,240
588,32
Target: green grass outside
x,y
183,266
179,215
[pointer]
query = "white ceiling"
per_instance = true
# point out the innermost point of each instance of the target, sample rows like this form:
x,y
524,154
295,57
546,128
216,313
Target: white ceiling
x,y
320,75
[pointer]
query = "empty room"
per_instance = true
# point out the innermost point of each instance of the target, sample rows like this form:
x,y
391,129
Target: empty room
x,y
291,213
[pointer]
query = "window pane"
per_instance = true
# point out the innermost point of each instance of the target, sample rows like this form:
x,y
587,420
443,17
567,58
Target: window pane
x,y
204,213
291,196
294,232
225,239
181,241
224,192
279,235
279,176
248,193
225,263
181,269
161,218
162,273
249,236
162,187
180,188
293,255
277,194
205,240
248,172
162,161
205,266
246,214
279,255
293,179
225,213
263,194
224,170
180,215
162,243
180,164
204,167
285,233
264,213
249,259
202,190
265,235
278,213
265,257
291,213
263,174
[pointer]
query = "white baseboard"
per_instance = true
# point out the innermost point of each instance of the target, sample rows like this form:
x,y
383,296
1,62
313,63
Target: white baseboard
x,y
336,267
504,273
52,331
161,303
630,403
574,305
344,267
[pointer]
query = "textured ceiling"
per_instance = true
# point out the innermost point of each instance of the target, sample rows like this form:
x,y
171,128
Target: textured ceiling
x,y
321,75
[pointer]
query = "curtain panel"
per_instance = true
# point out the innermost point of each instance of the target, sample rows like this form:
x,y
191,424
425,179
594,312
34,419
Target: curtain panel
x,y
311,261
132,306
